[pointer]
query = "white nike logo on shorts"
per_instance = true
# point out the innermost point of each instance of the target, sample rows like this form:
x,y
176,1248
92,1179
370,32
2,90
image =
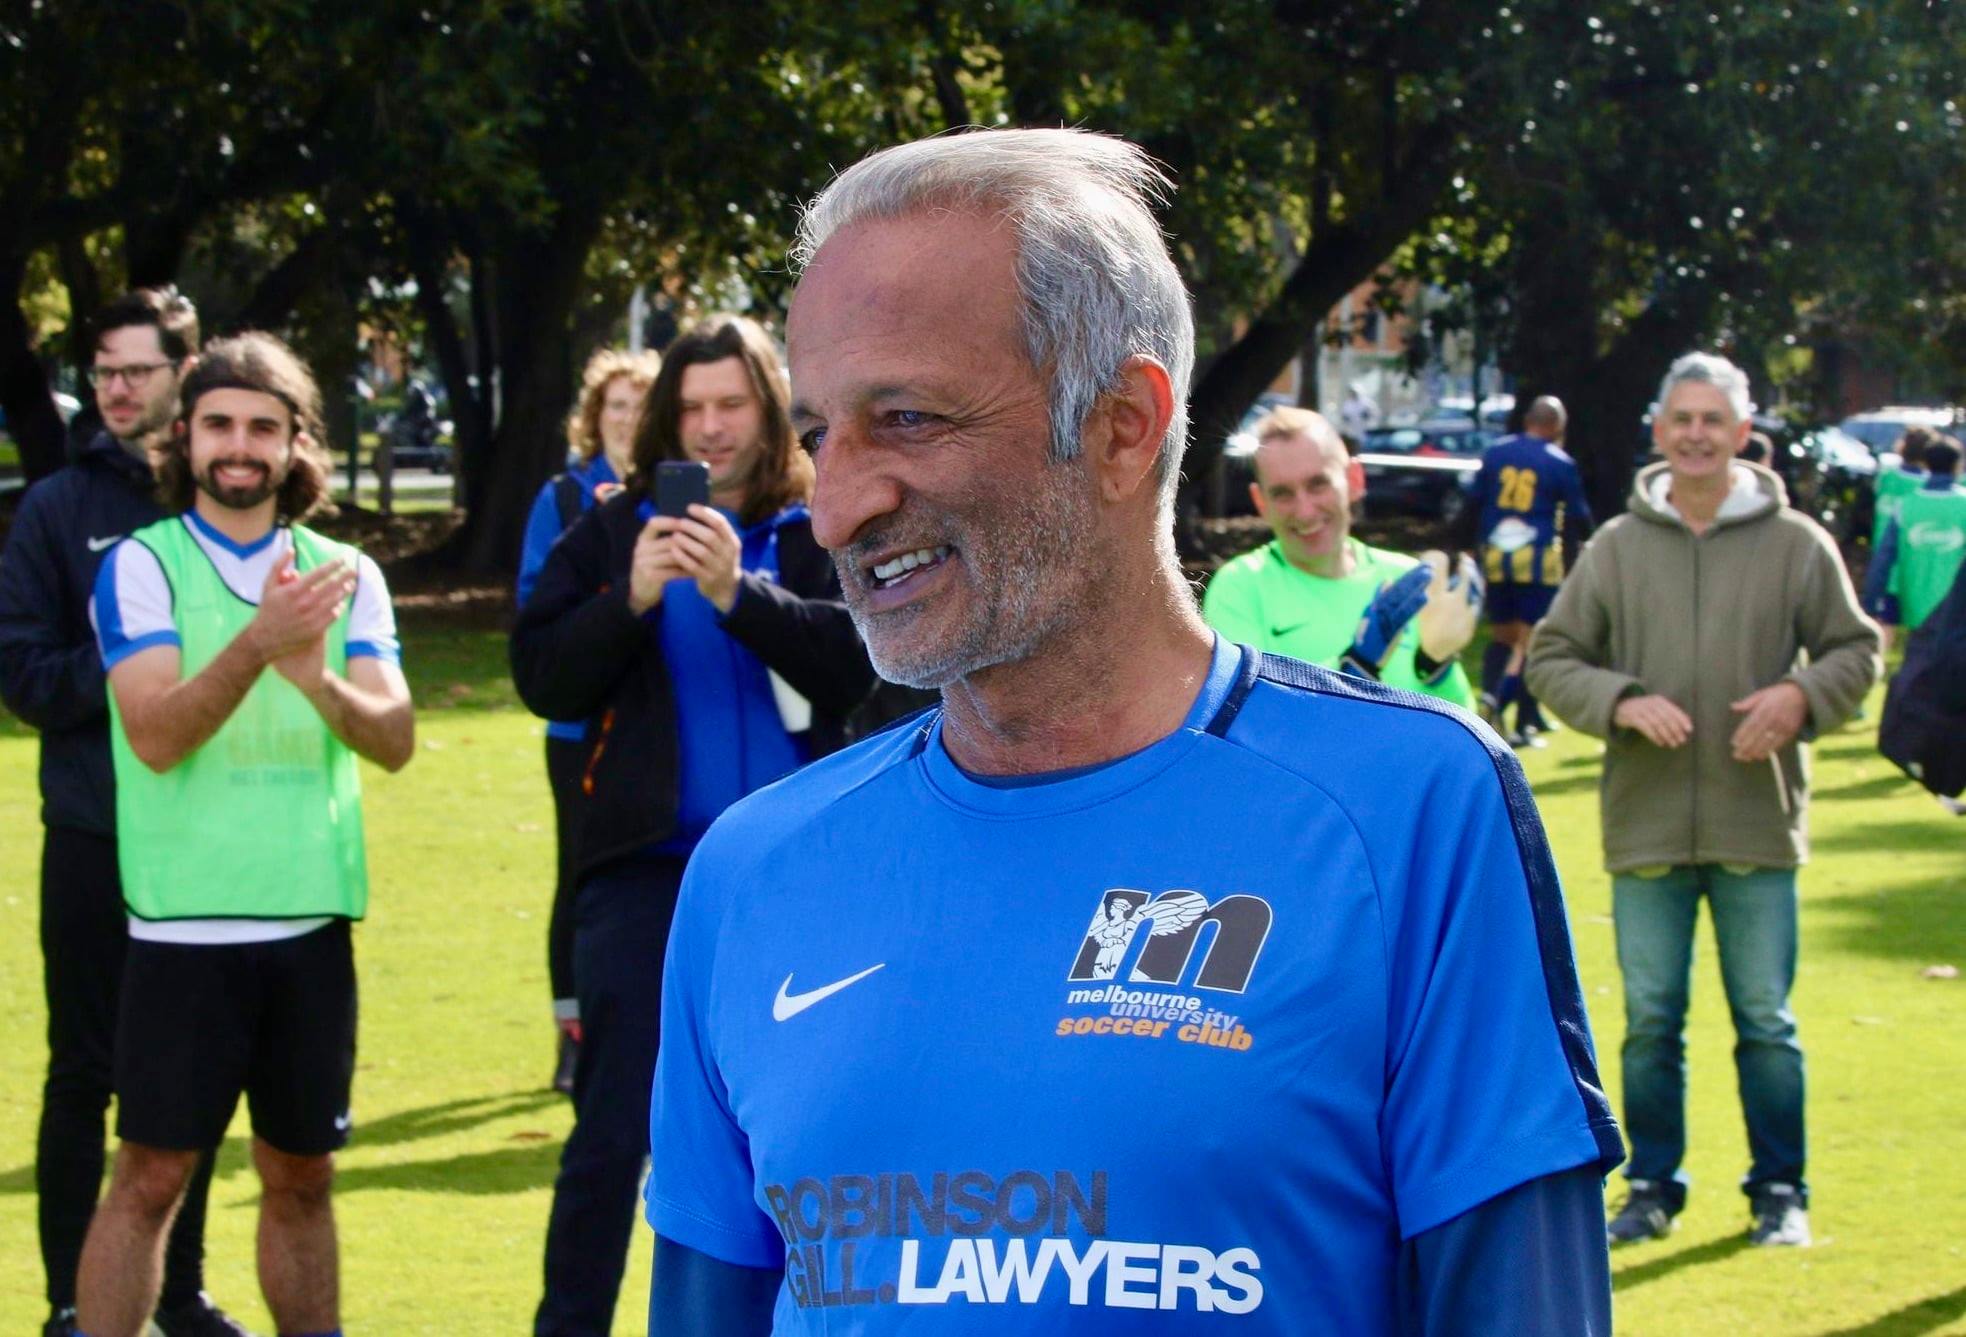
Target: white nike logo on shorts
x,y
98,545
789,1005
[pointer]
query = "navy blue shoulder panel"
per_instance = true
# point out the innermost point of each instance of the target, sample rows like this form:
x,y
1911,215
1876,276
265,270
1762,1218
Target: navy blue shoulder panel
x,y
1559,961
1246,675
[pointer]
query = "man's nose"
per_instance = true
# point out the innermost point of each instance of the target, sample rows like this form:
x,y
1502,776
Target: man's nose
x,y
852,489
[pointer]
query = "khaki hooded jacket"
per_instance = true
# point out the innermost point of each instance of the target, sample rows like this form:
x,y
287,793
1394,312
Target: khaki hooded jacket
x,y
1761,597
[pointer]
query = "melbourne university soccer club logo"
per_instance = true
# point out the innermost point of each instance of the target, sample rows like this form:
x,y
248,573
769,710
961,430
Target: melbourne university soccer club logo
x,y
1164,935
1148,963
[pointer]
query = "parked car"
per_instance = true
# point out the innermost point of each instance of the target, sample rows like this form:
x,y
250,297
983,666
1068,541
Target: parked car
x,y
1427,469
1881,428
1833,477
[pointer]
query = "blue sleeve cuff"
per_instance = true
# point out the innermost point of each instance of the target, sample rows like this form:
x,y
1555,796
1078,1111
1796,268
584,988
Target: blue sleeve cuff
x,y
742,1247
114,653
388,652
1424,1206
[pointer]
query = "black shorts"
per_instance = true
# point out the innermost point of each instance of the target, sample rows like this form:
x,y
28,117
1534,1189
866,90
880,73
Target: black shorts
x,y
200,1024
1510,602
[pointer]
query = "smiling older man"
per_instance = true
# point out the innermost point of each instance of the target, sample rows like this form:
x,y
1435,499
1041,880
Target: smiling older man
x,y
1680,639
1022,1017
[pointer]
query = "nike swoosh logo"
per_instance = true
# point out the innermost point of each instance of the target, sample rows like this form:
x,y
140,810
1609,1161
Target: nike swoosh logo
x,y
1285,631
97,545
789,1005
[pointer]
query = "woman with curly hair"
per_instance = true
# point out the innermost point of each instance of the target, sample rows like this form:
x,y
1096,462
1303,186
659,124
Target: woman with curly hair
x,y
601,442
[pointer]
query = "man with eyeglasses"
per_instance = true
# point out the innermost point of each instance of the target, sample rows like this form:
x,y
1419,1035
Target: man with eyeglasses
x,y
51,675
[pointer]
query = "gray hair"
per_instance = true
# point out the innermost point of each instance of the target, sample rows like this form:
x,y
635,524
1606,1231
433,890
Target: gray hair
x,y
1092,266
1708,369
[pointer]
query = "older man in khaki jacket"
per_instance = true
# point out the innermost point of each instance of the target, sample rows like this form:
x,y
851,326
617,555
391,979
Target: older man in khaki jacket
x,y
1705,635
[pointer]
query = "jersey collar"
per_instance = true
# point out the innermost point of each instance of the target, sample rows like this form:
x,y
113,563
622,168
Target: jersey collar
x,y
1081,788
237,549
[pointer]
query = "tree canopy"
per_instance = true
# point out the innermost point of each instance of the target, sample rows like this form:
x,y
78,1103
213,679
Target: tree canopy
x,y
1603,185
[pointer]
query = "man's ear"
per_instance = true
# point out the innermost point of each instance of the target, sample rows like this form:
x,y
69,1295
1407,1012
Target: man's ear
x,y
1123,434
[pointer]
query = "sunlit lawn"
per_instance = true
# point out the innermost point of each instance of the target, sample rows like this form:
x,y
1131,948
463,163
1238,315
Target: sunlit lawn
x,y
443,1195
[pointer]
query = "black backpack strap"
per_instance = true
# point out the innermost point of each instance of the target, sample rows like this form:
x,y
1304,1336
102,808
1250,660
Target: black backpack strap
x,y
566,498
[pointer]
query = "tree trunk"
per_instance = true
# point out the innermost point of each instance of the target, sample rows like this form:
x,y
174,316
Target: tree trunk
x,y
24,395
1336,261
1607,417
539,278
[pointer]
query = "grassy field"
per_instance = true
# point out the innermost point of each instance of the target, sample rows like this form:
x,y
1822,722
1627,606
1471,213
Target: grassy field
x,y
443,1195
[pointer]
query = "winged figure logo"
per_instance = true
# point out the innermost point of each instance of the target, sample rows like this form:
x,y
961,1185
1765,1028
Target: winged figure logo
x,y
1119,917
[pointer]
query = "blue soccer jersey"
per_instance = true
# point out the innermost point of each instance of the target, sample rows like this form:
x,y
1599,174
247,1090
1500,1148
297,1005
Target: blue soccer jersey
x,y
1528,489
1188,1042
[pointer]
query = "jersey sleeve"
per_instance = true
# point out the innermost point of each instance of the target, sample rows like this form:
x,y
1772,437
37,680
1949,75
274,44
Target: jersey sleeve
x,y
700,1183
542,527
1579,514
1491,1077
131,606
1532,1259
1231,605
372,617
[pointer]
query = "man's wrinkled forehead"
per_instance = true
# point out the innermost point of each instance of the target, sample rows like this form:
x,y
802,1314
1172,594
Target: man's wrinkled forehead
x,y
890,297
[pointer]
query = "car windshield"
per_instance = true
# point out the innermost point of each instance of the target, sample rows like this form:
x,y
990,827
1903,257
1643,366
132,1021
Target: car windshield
x,y
1880,434
1393,440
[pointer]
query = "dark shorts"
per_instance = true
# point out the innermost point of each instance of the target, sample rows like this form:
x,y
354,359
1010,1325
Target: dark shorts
x,y
201,1024
1519,603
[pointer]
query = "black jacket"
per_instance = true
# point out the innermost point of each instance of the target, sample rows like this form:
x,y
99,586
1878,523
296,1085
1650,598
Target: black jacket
x,y
579,653
50,669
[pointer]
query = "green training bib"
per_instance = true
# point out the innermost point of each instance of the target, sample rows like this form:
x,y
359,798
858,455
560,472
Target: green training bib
x,y
265,820
1931,545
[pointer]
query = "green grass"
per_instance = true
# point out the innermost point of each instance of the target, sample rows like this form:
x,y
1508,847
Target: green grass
x,y
443,1195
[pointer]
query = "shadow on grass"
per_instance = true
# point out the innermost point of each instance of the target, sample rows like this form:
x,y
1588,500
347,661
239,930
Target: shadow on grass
x,y
450,1117
1853,747
1876,787
456,662
234,1155
1624,1279
1916,921
1568,784
1911,833
1918,1317
513,1169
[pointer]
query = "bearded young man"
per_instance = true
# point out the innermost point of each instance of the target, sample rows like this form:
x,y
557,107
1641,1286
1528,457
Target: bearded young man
x,y
715,656
51,675
1028,1015
250,661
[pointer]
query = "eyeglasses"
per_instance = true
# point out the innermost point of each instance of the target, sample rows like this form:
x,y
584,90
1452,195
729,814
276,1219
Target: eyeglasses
x,y
134,375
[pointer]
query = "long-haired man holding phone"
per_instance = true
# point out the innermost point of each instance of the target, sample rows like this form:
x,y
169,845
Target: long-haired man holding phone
x,y
696,619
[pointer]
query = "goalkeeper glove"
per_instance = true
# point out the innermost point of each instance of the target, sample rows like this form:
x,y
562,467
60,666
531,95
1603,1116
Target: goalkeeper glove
x,y
1447,621
1385,618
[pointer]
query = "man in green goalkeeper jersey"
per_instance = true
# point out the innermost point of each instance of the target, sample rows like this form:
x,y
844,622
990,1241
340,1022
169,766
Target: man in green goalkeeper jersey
x,y
1316,593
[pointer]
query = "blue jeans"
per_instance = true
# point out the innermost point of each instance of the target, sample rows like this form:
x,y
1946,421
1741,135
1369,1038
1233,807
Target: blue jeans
x,y
1754,928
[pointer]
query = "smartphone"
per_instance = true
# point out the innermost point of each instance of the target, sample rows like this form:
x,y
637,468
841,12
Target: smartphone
x,y
679,484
